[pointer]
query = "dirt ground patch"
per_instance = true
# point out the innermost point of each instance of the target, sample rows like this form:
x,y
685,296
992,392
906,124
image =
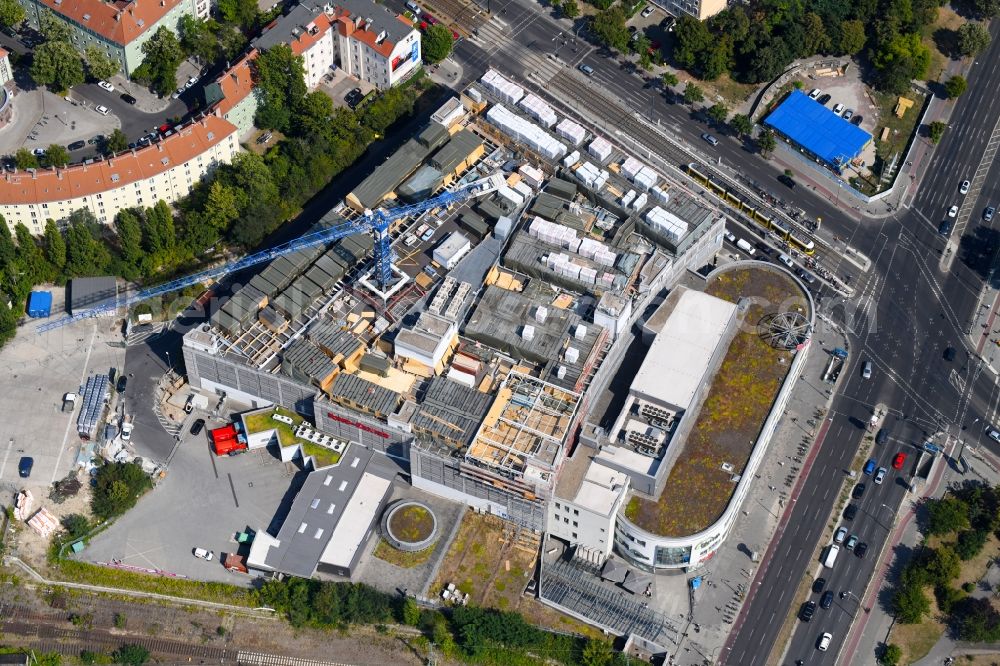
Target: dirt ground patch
x,y
387,553
738,401
938,33
492,563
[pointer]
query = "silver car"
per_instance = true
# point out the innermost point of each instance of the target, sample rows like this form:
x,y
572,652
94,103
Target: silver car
x,y
880,475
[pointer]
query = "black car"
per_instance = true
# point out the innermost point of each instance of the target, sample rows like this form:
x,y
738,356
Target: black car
x,y
197,426
823,99
99,139
861,549
850,512
856,120
859,491
945,228
808,610
77,145
122,383
883,436
24,467
818,585
786,180
826,600
128,99
949,354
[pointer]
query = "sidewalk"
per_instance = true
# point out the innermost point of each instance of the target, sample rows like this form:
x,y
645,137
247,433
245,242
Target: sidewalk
x,y
726,581
872,629
984,331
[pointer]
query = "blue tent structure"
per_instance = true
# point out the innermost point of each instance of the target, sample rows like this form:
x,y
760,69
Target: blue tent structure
x,y
40,304
818,130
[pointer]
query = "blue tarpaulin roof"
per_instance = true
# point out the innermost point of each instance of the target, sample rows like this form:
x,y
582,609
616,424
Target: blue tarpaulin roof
x,y
40,304
818,129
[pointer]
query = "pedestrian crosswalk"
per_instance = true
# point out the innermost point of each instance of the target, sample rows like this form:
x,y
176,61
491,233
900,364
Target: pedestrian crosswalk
x,y
496,40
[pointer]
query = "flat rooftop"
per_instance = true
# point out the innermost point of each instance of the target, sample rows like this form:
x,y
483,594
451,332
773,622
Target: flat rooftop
x,y
715,453
818,129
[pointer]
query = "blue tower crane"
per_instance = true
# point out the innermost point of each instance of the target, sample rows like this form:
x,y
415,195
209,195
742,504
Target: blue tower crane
x,y
376,221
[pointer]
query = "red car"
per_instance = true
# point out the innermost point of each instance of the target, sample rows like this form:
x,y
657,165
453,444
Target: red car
x,y
898,461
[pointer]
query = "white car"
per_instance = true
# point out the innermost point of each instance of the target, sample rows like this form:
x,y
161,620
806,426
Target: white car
x,y
964,187
880,475
648,11
107,86
953,211
840,535
824,642
731,237
838,109
786,260
127,431
177,94
103,110
206,555
814,93
995,434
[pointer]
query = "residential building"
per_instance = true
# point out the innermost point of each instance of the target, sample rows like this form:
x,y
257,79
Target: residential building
x,y
700,9
166,170
365,39
119,28
6,73
233,92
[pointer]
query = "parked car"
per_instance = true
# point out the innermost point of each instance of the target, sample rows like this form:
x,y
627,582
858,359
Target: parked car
x,y
945,228
994,434
97,140
826,600
177,93
840,535
122,383
838,108
430,271
852,541
648,11
953,211
107,86
103,110
850,511
814,93
24,467
856,120
899,460
883,435
76,145
858,492
869,467
197,426
127,431
880,475
206,555
823,99
128,99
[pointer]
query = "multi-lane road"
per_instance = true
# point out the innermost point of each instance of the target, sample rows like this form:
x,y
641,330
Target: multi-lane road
x,y
904,313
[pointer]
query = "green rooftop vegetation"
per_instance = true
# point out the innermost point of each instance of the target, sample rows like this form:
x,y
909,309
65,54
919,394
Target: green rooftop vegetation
x,y
262,421
322,456
742,392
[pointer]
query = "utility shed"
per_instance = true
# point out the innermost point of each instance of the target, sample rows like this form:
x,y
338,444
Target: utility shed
x,y
450,412
340,345
450,251
459,153
88,293
387,177
433,136
365,396
305,362
40,304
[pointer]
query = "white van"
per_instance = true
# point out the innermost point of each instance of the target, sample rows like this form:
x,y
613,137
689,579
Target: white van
x,y
746,247
203,554
413,7
831,556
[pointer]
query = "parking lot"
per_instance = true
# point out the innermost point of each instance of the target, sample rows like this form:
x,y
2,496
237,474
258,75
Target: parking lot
x,y
203,502
35,371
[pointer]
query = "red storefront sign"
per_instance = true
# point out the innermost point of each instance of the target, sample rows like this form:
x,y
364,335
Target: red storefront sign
x,y
341,419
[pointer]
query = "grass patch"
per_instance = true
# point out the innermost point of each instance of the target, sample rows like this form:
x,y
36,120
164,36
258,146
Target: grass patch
x,y
411,523
732,415
286,433
947,22
92,574
733,93
387,553
322,456
916,640
900,129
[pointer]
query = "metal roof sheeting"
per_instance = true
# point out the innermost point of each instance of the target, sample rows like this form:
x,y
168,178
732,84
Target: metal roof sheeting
x,y
818,129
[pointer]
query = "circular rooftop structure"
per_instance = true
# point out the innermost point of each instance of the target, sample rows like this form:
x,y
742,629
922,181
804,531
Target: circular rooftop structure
x,y
409,526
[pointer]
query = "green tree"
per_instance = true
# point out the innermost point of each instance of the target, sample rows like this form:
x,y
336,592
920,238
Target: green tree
x,y
55,156
54,245
76,525
53,29
569,9
941,564
436,43
986,8
955,86
900,60
117,142
852,37
973,38
57,64
410,612
25,159
117,487
240,12
281,83
11,13
85,255
131,655
693,94
30,259
669,79
597,653
766,142
692,41
128,226
162,54
741,124
719,113
197,38
910,603
160,233
8,323
936,130
99,64
891,655
816,38
220,206
945,516
609,27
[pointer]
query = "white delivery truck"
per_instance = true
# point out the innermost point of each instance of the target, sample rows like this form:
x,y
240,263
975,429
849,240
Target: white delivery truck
x,y
746,247
831,556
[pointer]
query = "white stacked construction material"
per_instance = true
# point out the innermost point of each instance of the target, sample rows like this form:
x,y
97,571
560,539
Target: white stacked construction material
x,y
572,131
524,189
572,354
605,280
602,178
506,90
533,176
627,198
538,109
554,234
667,223
571,159
640,201
660,195
600,148
588,174
630,167
525,132
588,275
561,265
646,178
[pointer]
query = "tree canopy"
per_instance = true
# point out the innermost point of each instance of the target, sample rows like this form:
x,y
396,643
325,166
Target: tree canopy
x,y
57,64
11,13
162,55
609,26
436,43
99,65
279,76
